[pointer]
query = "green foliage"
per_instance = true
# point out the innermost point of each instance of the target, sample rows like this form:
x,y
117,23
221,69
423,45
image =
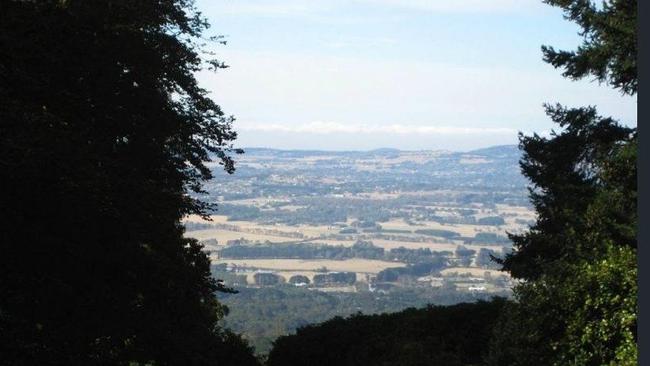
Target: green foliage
x,y
577,303
104,134
567,175
267,279
589,319
436,335
609,47
360,249
335,279
267,313
424,267
601,330
414,255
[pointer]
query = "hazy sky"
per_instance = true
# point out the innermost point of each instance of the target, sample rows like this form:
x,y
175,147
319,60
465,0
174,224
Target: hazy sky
x,y
407,74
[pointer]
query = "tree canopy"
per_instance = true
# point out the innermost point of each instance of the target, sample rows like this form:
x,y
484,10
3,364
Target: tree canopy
x,y
609,48
435,335
105,132
577,304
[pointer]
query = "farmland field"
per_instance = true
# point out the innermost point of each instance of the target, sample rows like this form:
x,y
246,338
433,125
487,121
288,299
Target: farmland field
x,y
354,265
365,212
360,231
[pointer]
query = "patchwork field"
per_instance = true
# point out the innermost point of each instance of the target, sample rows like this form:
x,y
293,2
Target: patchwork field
x,y
414,227
222,236
290,265
433,212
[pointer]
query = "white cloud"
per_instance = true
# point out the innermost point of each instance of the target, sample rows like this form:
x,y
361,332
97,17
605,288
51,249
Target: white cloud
x,y
292,89
319,127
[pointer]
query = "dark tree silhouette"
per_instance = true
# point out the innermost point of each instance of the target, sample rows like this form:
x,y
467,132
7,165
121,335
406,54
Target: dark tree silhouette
x,y
609,47
577,305
104,132
455,335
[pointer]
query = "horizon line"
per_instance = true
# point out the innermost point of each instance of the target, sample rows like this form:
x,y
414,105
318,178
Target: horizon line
x,y
373,150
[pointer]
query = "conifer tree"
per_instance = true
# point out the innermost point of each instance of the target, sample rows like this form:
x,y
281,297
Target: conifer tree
x,y
576,304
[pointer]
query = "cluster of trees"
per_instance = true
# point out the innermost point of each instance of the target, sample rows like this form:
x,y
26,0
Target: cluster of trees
x,y
266,313
320,280
240,212
313,214
422,268
330,210
247,249
335,279
402,254
487,238
491,221
360,249
267,279
435,335
104,134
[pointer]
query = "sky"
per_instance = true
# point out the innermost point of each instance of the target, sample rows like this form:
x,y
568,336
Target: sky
x,y
407,74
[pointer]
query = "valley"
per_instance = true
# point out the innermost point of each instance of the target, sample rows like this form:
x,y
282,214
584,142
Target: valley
x,y
383,230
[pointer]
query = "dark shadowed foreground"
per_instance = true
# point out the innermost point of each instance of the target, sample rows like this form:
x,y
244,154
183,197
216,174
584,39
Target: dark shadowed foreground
x,y
104,132
437,335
